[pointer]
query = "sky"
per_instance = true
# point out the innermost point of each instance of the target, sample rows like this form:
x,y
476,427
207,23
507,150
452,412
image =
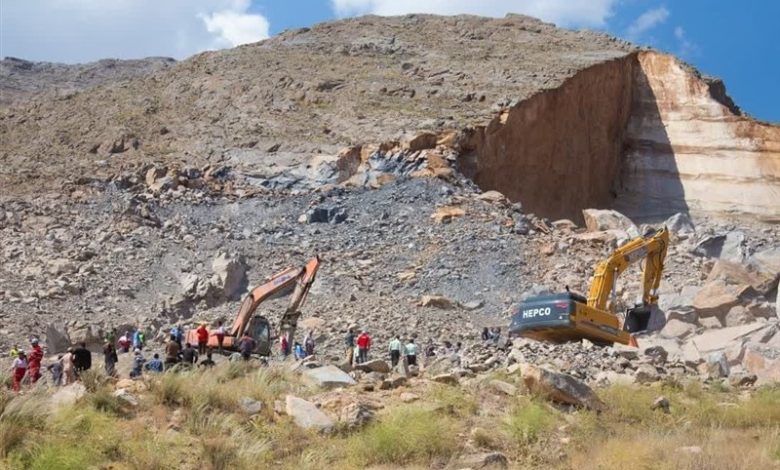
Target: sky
x,y
736,41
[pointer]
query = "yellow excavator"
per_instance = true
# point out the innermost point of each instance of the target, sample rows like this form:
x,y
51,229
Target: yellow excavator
x,y
559,318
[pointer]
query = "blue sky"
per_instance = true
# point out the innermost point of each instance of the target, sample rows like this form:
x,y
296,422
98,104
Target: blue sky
x,y
737,41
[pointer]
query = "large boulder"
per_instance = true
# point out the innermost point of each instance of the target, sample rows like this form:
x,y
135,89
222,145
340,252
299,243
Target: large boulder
x,y
559,387
597,220
230,272
374,365
717,297
327,377
67,395
763,361
675,328
720,339
765,264
306,414
57,339
729,246
680,225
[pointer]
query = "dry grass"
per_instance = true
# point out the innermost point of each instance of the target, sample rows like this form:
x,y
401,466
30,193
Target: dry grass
x,y
193,419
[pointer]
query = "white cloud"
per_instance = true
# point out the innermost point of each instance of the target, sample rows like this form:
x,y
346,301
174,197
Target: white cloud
x,y
647,21
561,12
86,30
685,47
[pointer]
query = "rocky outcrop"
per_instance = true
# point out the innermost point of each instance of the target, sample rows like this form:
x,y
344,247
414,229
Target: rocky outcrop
x,y
687,149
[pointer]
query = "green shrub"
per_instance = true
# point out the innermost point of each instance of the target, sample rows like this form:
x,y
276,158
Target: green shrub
x,y
402,436
454,400
527,420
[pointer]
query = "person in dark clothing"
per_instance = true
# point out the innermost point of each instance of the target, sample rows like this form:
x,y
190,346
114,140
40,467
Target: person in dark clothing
x,y
172,352
82,359
56,371
485,334
110,357
189,355
246,346
155,365
349,341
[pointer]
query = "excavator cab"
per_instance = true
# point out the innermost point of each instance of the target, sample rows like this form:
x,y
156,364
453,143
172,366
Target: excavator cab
x,y
260,329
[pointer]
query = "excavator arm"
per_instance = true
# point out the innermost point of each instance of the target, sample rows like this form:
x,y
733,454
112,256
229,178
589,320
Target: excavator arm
x,y
298,280
652,248
295,280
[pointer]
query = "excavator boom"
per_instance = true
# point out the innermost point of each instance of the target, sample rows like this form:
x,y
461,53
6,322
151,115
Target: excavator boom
x,y
293,280
564,317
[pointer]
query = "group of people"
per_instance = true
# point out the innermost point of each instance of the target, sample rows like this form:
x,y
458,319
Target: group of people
x,y
26,367
298,350
359,346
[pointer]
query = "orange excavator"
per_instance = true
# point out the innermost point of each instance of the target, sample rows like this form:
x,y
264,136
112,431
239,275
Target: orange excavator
x,y
295,280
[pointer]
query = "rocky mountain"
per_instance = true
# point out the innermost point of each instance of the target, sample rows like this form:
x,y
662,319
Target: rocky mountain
x,y
439,165
22,80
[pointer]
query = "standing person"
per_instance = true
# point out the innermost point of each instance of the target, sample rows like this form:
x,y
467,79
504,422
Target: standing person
x,y
171,351
349,341
124,342
155,365
138,364
14,353
299,352
308,343
138,339
68,367
189,355
203,338
34,361
56,371
82,359
110,358
111,336
411,352
19,369
395,350
220,334
284,344
363,344
247,346
178,332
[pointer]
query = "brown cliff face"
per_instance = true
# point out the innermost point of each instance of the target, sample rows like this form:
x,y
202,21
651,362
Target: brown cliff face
x,y
558,151
642,133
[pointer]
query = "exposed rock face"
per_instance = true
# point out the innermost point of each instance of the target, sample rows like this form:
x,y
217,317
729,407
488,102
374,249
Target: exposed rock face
x,y
686,150
537,152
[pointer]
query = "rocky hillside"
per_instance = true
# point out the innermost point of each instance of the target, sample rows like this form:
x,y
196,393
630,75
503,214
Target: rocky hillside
x,y
22,80
378,143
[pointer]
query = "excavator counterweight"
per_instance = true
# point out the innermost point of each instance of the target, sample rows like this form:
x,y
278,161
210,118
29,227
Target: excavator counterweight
x,y
558,318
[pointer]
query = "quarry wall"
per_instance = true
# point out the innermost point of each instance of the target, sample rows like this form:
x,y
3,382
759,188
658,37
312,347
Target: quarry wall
x,y
643,133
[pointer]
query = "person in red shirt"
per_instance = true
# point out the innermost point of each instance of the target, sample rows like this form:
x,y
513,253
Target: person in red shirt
x,y
203,338
34,361
363,344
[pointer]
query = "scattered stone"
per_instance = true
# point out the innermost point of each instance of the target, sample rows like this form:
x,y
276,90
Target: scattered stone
x,y
436,301
661,403
448,379
597,220
250,406
646,373
306,414
408,397
126,396
503,387
327,377
560,387
355,415
374,365
446,214
487,460
717,365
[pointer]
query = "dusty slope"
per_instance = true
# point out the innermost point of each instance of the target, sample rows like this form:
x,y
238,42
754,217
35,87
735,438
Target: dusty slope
x,y
22,80
304,91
